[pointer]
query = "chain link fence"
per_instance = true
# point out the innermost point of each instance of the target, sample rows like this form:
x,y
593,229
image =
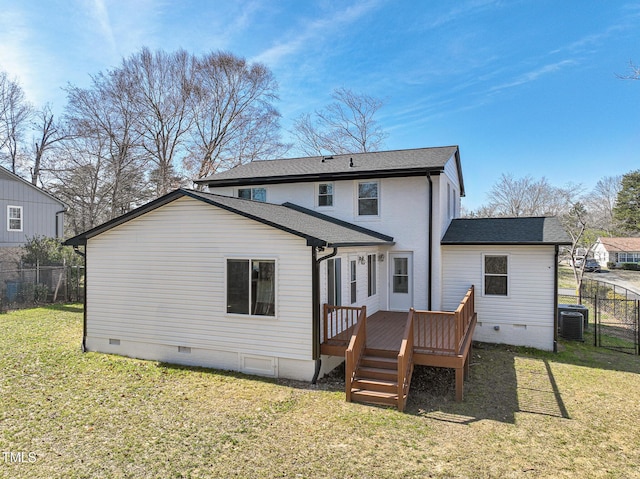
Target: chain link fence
x,y
30,286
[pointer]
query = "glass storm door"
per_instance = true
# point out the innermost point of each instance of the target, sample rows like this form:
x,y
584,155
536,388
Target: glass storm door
x,y
401,285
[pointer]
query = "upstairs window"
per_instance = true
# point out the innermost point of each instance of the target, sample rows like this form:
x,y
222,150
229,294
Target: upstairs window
x,y
255,194
496,274
14,218
368,198
325,194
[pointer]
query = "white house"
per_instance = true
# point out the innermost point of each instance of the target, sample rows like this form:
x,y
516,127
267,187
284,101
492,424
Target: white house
x,y
236,277
617,250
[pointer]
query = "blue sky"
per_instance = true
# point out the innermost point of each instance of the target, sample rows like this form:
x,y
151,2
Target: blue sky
x,y
524,87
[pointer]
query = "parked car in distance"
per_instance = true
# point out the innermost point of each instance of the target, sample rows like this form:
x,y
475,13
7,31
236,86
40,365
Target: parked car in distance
x,y
592,265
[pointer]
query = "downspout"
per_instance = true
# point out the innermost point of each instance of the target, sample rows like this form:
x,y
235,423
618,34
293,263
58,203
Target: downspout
x,y
430,246
315,304
84,312
555,300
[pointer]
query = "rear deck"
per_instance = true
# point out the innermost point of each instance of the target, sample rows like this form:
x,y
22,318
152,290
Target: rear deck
x,y
429,338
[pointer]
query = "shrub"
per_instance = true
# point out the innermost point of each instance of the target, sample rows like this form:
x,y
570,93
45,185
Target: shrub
x,y
630,266
611,265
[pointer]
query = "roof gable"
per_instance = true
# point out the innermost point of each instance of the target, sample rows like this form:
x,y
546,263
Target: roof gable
x,y
381,164
13,177
545,230
318,230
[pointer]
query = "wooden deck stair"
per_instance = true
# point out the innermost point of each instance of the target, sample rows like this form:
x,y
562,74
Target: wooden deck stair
x,y
376,378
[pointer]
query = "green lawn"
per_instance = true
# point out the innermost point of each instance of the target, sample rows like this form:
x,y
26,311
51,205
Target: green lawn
x,y
526,414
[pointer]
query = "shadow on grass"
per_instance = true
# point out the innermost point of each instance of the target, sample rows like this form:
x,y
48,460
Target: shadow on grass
x,y
69,308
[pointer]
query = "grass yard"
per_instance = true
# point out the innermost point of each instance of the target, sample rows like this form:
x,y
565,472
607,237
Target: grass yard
x,y
526,414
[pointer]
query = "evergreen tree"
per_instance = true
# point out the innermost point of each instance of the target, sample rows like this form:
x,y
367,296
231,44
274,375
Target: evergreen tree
x,y
627,209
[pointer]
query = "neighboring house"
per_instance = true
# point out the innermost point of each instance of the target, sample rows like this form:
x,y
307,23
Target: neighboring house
x,y
236,277
617,250
27,211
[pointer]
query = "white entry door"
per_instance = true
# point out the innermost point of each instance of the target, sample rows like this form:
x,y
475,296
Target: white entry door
x,y
401,284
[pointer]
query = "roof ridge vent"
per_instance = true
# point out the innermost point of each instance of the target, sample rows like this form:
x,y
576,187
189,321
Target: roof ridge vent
x,y
327,158
350,162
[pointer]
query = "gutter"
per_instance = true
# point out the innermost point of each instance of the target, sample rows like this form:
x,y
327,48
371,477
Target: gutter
x,y
430,246
315,305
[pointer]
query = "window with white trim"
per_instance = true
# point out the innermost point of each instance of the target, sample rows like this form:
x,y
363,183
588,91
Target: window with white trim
x,y
334,282
255,194
251,287
496,275
325,194
371,275
352,281
368,198
14,218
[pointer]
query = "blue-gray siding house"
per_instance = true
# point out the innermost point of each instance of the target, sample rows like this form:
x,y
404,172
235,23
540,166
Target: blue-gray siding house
x,y
27,211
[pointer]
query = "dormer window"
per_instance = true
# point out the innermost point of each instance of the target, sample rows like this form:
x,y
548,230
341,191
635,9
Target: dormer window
x,y
368,198
255,194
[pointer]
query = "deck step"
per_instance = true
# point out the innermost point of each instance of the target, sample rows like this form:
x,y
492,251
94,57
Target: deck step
x,y
374,397
377,373
379,362
381,353
377,385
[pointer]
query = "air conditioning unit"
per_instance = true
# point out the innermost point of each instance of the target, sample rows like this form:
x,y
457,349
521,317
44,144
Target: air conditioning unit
x,y
572,325
578,308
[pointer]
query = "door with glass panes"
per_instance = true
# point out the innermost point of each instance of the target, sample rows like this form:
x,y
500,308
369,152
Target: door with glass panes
x,y
401,284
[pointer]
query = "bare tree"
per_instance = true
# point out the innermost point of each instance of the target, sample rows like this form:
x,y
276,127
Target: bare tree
x,y
49,134
15,113
634,72
347,125
528,197
233,117
602,201
101,117
159,87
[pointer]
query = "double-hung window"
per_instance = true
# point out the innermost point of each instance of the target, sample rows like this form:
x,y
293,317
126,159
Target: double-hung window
x,y
14,218
251,286
496,275
325,194
334,281
255,194
368,197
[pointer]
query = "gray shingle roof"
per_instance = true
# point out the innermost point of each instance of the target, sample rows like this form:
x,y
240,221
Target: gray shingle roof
x,y
352,165
545,230
317,229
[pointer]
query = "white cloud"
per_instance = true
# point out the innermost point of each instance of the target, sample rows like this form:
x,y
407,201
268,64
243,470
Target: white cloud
x,y
533,75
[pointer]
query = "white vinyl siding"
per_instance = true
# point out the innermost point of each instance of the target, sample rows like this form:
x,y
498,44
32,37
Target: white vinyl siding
x,y
526,316
160,279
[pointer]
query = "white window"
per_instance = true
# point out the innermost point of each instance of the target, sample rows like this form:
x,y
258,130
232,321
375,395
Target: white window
x,y
14,218
255,194
496,275
334,281
352,281
325,194
372,275
368,197
251,286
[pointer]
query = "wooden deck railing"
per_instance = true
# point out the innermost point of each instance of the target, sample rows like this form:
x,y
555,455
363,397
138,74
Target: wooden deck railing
x,y
339,322
355,349
405,362
444,332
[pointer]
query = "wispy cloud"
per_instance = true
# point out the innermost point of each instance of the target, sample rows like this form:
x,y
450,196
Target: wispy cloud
x,y
100,15
314,32
533,75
